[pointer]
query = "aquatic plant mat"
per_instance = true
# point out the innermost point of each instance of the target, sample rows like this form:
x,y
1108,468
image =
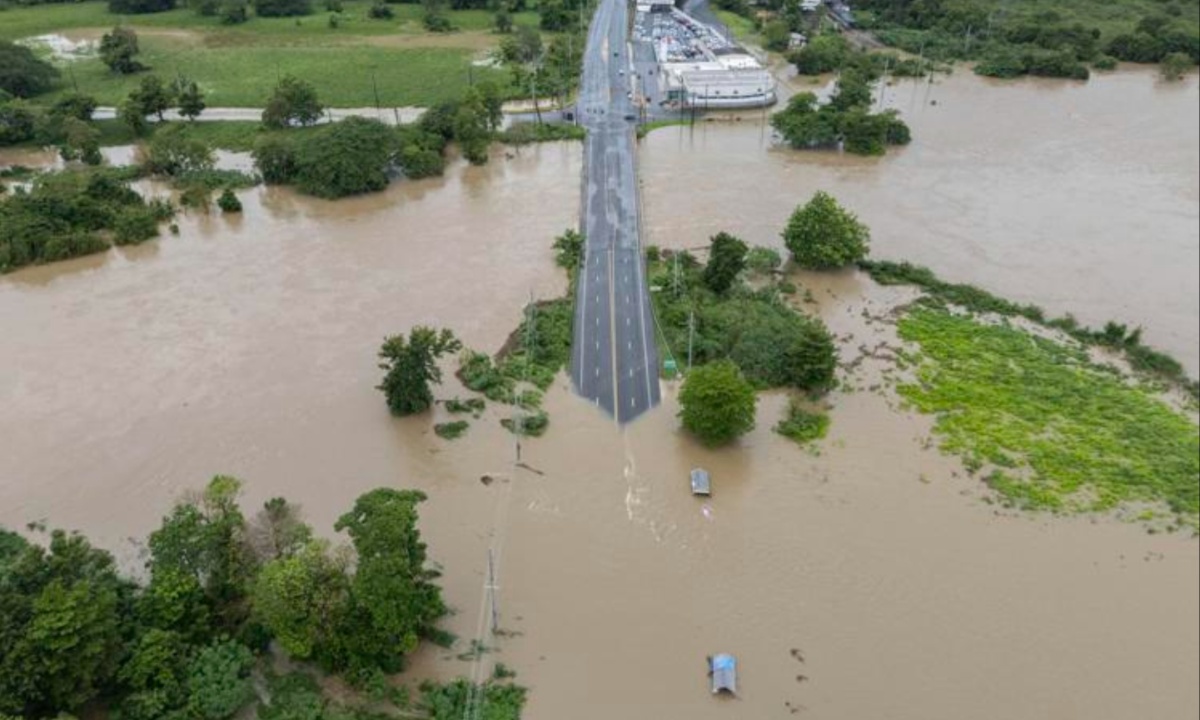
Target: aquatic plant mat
x,y
1051,429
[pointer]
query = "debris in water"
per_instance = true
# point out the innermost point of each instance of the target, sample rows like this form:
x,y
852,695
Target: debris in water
x,y
707,511
486,479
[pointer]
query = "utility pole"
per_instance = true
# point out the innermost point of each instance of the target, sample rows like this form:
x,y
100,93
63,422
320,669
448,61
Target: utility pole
x,y
691,335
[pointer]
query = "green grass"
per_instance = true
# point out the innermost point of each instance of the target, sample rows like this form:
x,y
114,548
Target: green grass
x,y
1061,433
741,27
646,128
238,66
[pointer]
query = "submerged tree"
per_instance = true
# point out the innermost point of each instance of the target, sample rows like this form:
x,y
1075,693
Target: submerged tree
x,y
411,365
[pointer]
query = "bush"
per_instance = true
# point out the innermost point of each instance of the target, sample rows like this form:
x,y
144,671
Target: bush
x,y
763,260
1175,66
823,54
451,430
293,102
380,11
117,51
17,124
234,12
228,202
175,153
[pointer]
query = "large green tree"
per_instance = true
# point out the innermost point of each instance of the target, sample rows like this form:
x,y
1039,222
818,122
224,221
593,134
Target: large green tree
x,y
62,620
823,235
152,96
23,74
411,365
219,682
394,599
717,403
293,102
726,258
206,539
118,49
301,596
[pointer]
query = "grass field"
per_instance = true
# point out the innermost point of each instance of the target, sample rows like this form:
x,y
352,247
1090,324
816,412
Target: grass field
x,y
1053,430
237,66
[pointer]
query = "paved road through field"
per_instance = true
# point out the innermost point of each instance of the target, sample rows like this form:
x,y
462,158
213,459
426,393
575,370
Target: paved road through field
x,y
614,361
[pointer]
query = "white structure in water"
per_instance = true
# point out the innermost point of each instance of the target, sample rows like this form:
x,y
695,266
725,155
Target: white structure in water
x,y
700,68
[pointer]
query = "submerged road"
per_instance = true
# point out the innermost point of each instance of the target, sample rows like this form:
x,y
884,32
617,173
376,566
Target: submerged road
x,y
614,360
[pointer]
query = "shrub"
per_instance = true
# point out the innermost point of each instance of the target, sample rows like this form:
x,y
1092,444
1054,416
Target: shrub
x,y
380,11
451,430
802,426
137,7
275,159
763,260
228,202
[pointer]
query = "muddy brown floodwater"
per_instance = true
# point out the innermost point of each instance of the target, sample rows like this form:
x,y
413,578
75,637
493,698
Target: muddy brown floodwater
x,y
1080,197
870,579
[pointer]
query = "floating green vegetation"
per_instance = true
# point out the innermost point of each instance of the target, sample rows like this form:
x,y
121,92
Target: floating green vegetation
x,y
473,406
802,425
534,424
1059,432
451,430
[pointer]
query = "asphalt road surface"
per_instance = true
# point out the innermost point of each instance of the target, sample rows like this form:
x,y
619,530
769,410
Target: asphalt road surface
x,y
614,361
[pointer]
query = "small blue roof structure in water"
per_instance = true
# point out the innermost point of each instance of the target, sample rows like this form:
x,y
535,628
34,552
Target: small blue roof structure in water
x,y
701,485
723,669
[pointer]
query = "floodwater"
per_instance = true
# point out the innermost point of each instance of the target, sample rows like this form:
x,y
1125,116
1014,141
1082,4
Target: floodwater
x,y
1080,197
869,579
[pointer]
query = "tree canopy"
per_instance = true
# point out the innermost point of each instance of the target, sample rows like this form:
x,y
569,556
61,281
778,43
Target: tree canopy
x,y
717,403
293,102
727,258
411,365
23,74
823,235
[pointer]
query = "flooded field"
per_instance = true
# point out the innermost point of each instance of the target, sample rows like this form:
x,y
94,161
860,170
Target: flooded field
x,y
1080,197
867,580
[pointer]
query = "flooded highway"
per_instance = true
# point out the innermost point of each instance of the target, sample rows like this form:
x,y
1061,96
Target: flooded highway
x,y
868,579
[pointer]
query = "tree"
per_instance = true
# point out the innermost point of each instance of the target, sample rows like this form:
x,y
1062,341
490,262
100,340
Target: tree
x,y
137,7
380,11
190,98
233,12
777,35
154,676
152,97
823,235
293,102
17,123
79,107
219,681
81,141
61,628
130,113
472,127
282,8
763,260
523,47
206,539
411,365
435,18
301,596
345,158
717,403
824,53
502,21
174,152
727,258
394,600
117,50
23,74
275,159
